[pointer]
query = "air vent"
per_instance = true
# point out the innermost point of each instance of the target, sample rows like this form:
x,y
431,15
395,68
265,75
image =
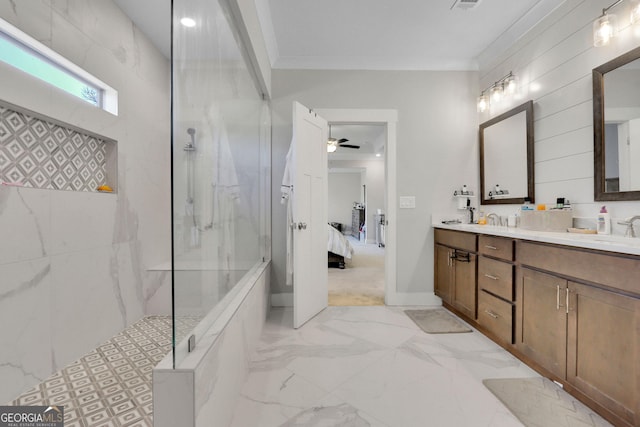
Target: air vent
x,y
465,4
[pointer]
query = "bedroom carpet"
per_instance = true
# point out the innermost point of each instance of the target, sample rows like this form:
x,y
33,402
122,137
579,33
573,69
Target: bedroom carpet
x,y
362,281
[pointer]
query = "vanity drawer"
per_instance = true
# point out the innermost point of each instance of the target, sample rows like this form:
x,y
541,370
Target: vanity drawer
x,y
496,316
496,277
498,247
456,239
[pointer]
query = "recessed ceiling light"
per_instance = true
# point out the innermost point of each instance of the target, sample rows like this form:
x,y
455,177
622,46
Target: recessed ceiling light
x,y
378,154
188,22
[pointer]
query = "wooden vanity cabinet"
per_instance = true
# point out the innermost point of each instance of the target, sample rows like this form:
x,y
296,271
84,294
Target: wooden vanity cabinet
x,y
583,330
572,314
455,270
541,312
495,287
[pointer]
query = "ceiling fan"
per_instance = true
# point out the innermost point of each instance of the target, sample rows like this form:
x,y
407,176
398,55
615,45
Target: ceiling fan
x,y
333,143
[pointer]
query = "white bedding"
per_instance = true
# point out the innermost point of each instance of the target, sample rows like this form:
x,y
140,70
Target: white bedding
x,y
338,244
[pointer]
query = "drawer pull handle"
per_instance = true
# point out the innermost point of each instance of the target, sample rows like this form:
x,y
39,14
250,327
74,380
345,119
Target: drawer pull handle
x,y
492,314
491,247
491,277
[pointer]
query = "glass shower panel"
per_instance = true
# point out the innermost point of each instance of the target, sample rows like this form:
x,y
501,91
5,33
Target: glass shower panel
x,y
219,118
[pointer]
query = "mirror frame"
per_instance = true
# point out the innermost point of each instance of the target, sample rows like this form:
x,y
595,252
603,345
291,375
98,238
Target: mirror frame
x,y
599,193
528,108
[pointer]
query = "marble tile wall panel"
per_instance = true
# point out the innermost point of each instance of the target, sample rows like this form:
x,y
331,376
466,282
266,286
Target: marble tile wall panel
x,y
87,277
26,355
25,224
221,374
98,246
38,153
218,366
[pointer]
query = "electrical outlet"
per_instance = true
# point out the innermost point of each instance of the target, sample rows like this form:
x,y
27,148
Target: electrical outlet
x,y
407,202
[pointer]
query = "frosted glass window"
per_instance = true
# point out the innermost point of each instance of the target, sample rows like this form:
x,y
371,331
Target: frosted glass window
x,y
32,57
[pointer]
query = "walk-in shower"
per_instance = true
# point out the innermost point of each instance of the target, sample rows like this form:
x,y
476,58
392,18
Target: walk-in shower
x,y
219,172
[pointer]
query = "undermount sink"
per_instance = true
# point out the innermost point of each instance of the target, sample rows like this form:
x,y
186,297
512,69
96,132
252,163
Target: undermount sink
x,y
611,239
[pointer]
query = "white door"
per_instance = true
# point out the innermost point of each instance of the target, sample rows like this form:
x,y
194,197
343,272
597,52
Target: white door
x,y
309,222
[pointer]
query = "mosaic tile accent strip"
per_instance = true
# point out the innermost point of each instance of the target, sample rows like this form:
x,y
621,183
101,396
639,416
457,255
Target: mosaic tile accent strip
x,y
111,386
41,154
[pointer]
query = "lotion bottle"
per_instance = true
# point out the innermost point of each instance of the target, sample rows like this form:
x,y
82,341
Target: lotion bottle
x,y
604,221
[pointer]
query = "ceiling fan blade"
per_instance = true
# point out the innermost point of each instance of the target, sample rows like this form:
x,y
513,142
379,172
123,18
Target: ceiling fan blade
x,y
349,146
342,140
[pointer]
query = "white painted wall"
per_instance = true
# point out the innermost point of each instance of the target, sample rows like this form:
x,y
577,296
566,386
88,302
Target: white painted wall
x,y
344,189
74,264
555,61
436,149
374,179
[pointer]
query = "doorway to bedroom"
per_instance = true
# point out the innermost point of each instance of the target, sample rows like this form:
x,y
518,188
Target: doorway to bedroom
x,y
356,201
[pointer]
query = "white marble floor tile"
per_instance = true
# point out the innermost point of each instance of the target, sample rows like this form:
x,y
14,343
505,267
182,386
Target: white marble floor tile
x,y
372,366
270,398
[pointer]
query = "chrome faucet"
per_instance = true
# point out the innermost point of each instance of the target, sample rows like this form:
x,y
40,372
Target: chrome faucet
x,y
630,232
494,219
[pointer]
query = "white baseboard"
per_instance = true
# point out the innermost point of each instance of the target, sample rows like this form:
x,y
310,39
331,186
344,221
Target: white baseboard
x,y
282,300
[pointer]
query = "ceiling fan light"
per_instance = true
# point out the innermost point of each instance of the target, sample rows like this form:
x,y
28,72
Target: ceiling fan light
x,y
332,145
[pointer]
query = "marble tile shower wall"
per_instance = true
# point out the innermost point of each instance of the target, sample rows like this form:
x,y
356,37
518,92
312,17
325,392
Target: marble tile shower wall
x,y
74,264
39,154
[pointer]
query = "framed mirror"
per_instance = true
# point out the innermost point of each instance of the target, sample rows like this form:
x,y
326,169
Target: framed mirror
x,y
616,128
506,157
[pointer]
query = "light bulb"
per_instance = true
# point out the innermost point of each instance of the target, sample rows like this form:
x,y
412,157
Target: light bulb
x,y
635,12
604,29
511,85
496,93
332,145
188,22
482,103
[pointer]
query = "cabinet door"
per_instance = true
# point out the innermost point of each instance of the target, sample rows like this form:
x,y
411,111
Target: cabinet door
x,y
464,283
541,328
443,273
603,348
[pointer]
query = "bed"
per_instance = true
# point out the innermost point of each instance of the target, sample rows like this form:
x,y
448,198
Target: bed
x,y
338,247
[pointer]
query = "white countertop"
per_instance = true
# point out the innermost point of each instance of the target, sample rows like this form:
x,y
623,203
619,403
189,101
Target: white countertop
x,y
609,243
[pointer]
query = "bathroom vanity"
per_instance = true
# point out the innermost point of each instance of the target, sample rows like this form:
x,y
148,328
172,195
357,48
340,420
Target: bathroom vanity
x,y
567,305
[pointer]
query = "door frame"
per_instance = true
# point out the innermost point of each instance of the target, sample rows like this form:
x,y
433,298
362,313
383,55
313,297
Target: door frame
x,y
390,119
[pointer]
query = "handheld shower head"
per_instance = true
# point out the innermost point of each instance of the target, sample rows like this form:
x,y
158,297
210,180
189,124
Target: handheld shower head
x,y
191,146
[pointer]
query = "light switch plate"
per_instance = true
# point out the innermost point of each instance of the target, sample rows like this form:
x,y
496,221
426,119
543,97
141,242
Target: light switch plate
x,y
407,202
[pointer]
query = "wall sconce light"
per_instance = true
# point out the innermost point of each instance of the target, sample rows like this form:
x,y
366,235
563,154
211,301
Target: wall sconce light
x,y
605,26
635,12
505,87
483,103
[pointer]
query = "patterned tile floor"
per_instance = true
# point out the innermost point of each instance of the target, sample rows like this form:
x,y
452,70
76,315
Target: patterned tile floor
x,y
111,385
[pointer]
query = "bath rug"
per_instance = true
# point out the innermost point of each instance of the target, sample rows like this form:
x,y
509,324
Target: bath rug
x,y
437,321
539,402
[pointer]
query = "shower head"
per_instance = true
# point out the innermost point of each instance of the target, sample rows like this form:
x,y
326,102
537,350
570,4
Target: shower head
x,y
191,146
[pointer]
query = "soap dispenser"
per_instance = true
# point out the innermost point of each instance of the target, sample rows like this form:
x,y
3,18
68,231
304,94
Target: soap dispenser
x,y
604,221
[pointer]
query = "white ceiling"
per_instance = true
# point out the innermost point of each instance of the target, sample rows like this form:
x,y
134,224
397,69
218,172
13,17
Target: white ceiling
x,y
370,34
371,139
